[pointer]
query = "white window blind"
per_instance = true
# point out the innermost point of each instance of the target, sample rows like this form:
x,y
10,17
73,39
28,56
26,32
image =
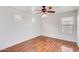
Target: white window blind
x,y
67,25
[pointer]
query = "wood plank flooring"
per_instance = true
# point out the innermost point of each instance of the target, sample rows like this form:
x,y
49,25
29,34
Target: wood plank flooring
x,y
44,44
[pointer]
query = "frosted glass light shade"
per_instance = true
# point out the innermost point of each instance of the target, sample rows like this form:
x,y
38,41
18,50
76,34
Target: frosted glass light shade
x,y
44,15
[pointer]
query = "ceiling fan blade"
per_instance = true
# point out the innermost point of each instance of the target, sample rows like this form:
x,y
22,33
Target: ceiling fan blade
x,y
39,12
51,11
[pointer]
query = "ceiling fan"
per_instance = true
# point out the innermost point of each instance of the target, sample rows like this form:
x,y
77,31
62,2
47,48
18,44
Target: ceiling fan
x,y
48,10
45,10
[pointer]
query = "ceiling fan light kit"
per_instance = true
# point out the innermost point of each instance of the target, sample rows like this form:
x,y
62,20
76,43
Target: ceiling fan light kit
x,y
46,11
44,15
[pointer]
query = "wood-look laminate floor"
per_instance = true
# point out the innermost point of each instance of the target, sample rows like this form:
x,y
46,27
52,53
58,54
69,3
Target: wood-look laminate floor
x,y
44,44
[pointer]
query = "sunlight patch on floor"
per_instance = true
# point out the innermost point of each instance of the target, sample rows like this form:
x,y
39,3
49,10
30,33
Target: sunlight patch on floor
x,y
64,48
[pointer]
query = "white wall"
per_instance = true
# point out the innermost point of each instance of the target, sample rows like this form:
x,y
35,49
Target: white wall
x,y
52,26
12,32
78,27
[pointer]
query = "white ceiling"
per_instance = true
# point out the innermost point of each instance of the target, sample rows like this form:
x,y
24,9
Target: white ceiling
x,y
22,8
58,9
61,9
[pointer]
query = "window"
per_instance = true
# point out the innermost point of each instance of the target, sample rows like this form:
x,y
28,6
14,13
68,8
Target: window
x,y
67,24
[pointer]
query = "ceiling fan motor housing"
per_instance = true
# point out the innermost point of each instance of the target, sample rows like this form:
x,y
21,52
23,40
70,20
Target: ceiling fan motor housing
x,y
44,9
